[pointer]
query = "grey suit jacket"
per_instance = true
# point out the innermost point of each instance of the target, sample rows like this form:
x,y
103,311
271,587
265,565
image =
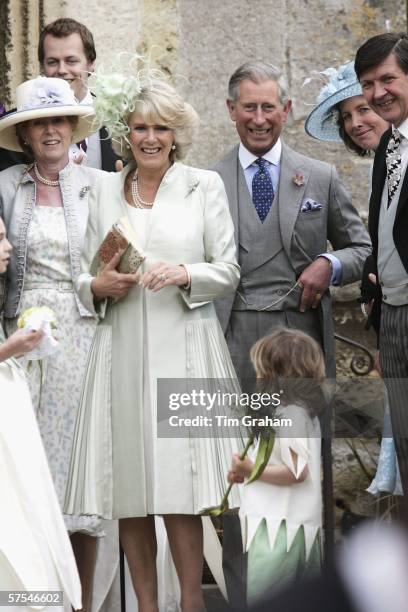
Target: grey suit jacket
x,y
305,234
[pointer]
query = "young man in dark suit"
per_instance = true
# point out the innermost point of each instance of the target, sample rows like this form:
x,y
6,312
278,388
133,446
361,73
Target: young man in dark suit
x,y
66,50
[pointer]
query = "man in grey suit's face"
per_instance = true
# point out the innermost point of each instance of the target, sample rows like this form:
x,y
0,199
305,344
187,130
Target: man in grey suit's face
x,y
259,114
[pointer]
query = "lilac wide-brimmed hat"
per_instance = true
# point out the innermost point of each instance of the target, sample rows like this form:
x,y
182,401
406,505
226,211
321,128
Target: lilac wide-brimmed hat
x,y
322,121
45,97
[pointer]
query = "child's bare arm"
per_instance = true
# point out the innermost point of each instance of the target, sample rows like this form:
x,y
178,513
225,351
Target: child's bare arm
x,y
272,474
282,475
19,343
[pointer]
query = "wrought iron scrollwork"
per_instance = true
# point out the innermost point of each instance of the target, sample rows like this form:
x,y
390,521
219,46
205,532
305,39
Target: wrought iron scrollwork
x,y
362,363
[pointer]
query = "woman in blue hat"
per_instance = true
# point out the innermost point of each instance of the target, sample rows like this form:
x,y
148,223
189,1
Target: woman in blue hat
x,y
343,115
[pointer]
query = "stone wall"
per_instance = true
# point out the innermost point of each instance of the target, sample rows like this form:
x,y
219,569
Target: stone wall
x,y
199,43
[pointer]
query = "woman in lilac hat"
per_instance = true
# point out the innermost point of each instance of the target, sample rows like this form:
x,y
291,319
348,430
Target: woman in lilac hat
x,y
44,206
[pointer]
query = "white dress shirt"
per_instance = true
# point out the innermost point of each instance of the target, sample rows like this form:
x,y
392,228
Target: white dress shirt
x,y
93,155
250,168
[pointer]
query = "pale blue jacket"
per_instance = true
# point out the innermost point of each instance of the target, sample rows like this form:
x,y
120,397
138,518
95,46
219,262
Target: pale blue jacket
x,y
17,201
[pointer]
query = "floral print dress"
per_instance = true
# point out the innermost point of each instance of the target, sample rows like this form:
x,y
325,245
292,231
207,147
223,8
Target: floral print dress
x,y
47,282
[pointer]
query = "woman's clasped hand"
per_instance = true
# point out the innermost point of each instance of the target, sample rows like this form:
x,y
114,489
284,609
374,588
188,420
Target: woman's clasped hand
x,y
162,274
111,283
114,284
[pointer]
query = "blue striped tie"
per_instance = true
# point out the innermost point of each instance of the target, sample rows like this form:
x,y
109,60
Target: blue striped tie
x,y
262,189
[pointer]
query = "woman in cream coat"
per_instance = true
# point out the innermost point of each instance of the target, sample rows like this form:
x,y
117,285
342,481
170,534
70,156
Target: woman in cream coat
x,y
159,323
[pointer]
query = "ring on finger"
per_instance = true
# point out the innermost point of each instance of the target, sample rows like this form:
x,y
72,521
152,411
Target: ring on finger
x,y
162,277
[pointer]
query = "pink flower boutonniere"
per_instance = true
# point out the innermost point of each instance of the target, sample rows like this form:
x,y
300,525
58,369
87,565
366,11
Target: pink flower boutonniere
x,y
299,179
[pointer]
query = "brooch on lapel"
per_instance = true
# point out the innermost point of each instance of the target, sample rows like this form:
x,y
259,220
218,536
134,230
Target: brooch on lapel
x,y
84,191
299,179
192,185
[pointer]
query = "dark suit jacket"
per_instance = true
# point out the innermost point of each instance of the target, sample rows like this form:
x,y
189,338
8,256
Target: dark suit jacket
x,y
327,593
399,232
109,157
369,292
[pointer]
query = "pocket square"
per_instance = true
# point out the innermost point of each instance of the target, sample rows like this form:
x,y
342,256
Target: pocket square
x,y
309,205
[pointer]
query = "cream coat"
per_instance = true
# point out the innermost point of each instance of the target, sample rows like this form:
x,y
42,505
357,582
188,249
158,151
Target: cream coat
x,y
169,334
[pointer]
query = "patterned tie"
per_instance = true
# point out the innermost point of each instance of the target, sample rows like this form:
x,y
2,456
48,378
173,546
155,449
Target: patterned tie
x,y
393,161
262,189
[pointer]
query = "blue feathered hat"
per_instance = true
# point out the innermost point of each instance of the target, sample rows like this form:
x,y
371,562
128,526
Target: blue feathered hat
x,y
343,84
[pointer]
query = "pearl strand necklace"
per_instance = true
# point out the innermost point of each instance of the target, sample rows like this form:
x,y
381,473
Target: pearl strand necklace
x,y
137,200
44,180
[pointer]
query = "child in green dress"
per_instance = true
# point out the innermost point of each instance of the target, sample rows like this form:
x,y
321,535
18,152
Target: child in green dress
x,y
281,512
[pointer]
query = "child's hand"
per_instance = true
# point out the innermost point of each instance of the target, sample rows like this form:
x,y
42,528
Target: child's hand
x,y
22,342
240,469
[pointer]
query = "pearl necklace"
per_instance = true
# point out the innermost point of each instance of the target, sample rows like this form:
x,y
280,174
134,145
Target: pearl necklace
x,y
137,200
44,180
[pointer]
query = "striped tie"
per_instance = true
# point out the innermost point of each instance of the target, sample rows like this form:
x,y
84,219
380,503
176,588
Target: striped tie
x,y
393,162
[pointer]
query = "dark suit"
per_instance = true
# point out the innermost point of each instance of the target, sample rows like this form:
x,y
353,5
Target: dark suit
x,y
11,158
393,336
367,574
109,157
325,593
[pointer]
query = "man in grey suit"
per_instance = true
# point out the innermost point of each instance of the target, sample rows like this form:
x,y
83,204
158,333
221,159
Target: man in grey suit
x,y
285,207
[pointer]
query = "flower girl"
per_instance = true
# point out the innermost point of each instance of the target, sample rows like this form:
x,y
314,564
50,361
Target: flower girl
x,y
281,511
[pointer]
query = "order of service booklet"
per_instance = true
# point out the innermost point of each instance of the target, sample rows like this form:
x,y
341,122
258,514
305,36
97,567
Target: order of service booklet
x,y
121,236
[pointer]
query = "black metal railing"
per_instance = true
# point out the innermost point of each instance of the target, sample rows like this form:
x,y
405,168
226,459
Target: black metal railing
x,y
361,364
